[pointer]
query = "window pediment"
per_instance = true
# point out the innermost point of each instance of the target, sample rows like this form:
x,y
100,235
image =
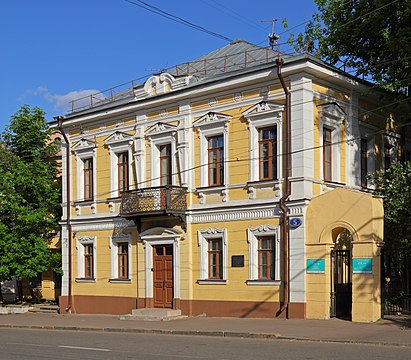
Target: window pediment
x,y
86,239
262,108
212,118
84,145
117,138
160,128
332,111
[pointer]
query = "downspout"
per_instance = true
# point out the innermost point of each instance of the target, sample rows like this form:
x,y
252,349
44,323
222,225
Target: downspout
x,y
68,210
283,206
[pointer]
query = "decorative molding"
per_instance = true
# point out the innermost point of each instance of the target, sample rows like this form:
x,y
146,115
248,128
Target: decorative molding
x,y
235,215
237,97
117,138
332,110
101,226
264,107
212,102
160,128
263,229
211,118
86,239
84,145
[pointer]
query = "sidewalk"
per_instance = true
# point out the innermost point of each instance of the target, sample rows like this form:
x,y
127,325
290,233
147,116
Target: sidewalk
x,y
393,331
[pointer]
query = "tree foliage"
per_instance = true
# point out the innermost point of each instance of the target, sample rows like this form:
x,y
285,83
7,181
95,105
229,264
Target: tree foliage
x,y
394,185
29,196
370,36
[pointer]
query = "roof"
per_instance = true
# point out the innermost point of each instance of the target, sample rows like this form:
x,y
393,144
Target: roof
x,y
237,56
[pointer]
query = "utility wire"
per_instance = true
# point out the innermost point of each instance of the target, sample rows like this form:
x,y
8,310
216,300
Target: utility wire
x,y
175,18
348,140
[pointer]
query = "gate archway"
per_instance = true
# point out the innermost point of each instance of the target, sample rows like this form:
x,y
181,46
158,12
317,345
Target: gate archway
x,y
341,275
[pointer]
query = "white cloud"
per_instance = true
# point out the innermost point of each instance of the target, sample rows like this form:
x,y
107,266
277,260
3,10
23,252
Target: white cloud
x,y
63,102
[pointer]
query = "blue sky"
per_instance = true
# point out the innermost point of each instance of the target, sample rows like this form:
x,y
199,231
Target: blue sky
x,y
55,50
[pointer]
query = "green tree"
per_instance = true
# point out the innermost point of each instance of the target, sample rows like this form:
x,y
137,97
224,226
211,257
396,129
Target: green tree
x,y
394,185
29,196
370,36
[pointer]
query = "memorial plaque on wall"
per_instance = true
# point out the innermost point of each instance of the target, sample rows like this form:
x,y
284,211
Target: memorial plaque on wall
x,y
237,261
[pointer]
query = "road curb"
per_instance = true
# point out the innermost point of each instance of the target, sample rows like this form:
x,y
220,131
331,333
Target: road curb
x,y
212,333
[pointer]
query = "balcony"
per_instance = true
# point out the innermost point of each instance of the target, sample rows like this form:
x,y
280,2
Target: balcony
x,y
154,201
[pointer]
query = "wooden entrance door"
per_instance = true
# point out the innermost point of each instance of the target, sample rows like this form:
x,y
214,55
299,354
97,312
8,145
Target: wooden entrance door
x,y
163,276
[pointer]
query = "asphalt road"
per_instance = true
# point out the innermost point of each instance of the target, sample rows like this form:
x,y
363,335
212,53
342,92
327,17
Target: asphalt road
x,y
18,344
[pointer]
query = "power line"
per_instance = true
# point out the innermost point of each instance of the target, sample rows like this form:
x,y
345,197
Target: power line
x,y
348,140
177,19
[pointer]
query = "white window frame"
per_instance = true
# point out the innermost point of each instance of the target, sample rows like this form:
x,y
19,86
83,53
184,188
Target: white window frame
x,y
118,143
81,241
157,135
331,117
368,133
252,238
114,241
209,125
203,236
85,149
263,115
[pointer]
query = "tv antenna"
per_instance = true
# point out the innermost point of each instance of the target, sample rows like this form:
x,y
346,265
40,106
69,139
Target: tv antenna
x,y
273,37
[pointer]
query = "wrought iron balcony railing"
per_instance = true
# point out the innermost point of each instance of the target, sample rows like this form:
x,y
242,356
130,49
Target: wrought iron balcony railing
x,y
154,200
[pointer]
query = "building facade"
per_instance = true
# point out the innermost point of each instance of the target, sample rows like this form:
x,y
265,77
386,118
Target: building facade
x,y
174,192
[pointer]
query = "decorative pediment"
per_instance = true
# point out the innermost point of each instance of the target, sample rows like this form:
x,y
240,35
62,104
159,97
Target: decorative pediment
x,y
117,138
211,233
84,145
86,239
160,128
212,118
263,229
263,107
332,110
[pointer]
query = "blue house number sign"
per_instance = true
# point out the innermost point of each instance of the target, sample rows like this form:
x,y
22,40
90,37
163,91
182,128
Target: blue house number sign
x,y
295,223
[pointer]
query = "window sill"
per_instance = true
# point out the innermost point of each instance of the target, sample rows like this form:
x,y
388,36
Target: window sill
x,y
212,282
85,280
120,281
84,202
263,282
267,183
211,188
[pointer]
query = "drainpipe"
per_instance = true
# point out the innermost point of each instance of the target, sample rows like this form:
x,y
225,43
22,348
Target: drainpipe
x,y
283,206
68,200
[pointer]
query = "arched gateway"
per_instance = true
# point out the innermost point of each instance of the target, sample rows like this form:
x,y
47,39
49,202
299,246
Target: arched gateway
x,y
345,240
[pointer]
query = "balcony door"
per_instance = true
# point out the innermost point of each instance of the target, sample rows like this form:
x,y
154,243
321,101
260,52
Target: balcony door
x,y
165,165
163,276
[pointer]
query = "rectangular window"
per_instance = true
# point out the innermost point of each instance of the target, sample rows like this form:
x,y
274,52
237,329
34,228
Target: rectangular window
x,y
215,259
364,162
122,172
268,153
165,164
88,179
327,154
266,258
216,160
88,261
123,260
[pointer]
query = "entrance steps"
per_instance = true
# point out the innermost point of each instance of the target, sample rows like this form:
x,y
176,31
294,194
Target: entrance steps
x,y
153,314
45,309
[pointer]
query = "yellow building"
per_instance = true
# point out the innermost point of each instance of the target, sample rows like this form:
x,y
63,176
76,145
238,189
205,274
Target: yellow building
x,y
218,189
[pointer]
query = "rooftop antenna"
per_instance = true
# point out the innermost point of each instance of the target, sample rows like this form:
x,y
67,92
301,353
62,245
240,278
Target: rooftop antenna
x,y
273,37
